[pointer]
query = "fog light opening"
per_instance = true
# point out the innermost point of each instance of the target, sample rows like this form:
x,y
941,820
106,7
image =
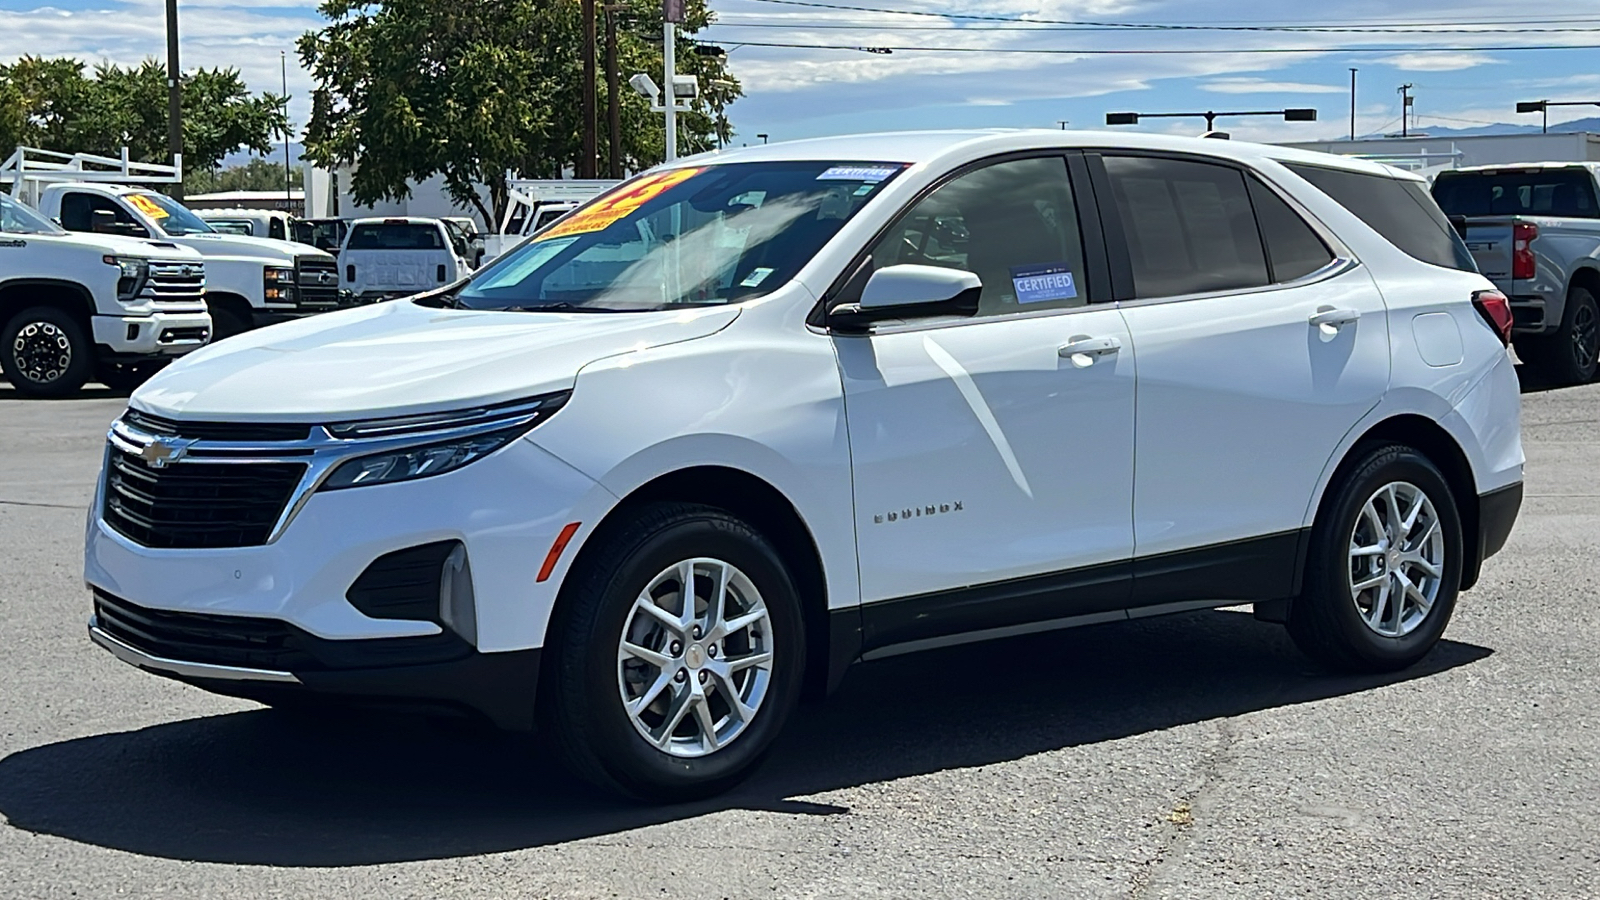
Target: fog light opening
x,y
457,605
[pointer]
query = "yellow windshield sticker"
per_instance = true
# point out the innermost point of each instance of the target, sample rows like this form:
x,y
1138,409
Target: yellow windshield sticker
x,y
147,206
604,212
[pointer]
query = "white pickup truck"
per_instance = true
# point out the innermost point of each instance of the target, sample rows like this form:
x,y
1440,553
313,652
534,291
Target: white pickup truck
x,y
75,307
399,257
251,281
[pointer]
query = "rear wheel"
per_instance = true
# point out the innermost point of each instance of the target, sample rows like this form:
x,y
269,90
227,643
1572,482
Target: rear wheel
x,y
1384,566
678,657
45,353
1572,354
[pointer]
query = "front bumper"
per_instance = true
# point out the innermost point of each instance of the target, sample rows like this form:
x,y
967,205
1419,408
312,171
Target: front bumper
x,y
153,334
270,661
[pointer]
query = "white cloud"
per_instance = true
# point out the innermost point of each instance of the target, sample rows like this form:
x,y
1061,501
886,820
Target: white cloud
x,y
1263,86
1437,62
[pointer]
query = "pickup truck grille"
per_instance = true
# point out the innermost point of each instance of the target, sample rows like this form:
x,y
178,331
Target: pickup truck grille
x,y
172,282
193,505
318,280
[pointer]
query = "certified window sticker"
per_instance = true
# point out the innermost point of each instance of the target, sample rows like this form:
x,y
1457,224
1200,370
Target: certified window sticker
x,y
869,174
1043,283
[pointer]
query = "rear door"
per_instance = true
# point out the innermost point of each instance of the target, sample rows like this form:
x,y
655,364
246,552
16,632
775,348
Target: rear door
x,y
1260,345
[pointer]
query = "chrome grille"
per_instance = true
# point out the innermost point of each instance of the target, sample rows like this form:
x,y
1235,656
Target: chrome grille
x,y
172,282
318,280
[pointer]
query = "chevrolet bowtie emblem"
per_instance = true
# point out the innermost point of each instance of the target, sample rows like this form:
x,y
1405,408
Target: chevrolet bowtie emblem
x,y
162,451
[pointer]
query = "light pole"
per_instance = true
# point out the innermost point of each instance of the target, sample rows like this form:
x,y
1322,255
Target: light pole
x,y
288,183
1353,103
1211,117
1543,106
671,15
1405,109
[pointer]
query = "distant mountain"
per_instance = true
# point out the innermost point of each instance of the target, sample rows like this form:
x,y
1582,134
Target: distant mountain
x,y
1590,124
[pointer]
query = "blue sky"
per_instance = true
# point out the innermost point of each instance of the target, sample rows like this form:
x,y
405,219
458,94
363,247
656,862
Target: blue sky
x,y
804,92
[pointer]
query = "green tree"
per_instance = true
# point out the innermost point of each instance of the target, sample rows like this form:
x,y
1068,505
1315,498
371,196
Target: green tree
x,y
256,175
51,104
472,89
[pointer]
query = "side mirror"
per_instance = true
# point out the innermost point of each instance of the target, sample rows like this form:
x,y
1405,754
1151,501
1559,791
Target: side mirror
x,y
910,292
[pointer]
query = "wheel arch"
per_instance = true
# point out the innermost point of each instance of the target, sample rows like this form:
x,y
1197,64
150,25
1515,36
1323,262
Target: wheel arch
x,y
1586,277
68,296
1432,440
233,302
767,509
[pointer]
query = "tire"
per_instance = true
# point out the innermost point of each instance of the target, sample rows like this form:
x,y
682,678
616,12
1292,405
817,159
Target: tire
x,y
126,377
45,352
1364,631
1572,354
226,322
587,674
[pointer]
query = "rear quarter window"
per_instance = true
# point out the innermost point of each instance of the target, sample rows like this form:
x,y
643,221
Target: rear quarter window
x,y
1400,210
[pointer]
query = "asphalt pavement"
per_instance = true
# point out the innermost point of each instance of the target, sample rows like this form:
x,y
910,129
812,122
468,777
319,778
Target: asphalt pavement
x,y
1189,756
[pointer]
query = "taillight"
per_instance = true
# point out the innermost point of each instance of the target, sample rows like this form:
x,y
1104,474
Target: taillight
x,y
1496,310
1522,236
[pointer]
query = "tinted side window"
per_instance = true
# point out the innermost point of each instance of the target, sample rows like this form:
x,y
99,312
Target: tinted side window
x,y
1401,211
1190,227
275,229
77,212
1293,248
1012,223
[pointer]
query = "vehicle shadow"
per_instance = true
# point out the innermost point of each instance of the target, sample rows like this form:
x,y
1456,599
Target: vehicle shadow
x,y
1532,382
266,788
92,391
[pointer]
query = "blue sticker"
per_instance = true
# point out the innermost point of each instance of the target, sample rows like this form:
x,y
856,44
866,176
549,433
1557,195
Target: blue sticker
x,y
1042,283
869,174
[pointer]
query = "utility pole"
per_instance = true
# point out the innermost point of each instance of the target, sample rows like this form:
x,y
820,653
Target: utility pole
x,y
1353,103
1405,109
174,98
288,183
613,100
587,163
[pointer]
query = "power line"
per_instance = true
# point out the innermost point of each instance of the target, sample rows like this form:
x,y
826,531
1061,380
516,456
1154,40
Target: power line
x,y
1134,26
809,26
1056,51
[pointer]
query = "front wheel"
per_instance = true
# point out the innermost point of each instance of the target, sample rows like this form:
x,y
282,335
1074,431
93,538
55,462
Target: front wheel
x,y
45,352
1384,566
677,657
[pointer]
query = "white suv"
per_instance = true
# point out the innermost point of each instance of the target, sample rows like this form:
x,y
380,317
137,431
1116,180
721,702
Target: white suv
x,y
742,422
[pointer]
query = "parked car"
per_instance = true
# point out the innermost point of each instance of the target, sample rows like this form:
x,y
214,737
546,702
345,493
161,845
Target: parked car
x,y
250,281
756,416
267,223
79,307
398,257
1534,229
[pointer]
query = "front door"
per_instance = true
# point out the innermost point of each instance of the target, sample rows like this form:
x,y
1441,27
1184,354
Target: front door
x,y
993,456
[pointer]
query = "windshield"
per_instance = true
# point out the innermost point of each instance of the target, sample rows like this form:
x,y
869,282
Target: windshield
x,y
19,218
1567,193
683,237
173,217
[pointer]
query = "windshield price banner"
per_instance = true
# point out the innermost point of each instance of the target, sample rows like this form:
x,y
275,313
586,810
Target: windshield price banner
x,y
600,214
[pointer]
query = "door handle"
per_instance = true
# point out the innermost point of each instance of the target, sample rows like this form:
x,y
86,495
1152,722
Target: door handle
x,y
1084,350
1330,319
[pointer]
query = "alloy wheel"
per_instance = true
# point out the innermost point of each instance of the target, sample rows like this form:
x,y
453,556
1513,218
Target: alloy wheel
x,y
42,352
1397,559
1585,336
695,660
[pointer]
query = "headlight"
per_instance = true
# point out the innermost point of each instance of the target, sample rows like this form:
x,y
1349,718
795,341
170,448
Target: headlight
x,y
418,462
131,276
279,283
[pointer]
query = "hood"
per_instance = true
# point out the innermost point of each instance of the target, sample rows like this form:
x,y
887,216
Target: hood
x,y
126,246
398,358
246,247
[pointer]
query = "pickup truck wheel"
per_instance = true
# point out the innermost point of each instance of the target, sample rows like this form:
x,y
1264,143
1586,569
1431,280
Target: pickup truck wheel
x,y
45,353
1384,566
1570,355
677,658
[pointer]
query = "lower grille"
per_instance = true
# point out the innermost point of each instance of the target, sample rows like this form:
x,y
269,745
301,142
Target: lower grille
x,y
173,335
249,642
196,505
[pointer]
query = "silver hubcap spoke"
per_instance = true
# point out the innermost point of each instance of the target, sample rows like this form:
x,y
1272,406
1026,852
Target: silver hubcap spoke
x,y
694,662
1396,559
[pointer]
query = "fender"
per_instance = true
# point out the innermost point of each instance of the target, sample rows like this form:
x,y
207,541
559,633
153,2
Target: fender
x,y
56,284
